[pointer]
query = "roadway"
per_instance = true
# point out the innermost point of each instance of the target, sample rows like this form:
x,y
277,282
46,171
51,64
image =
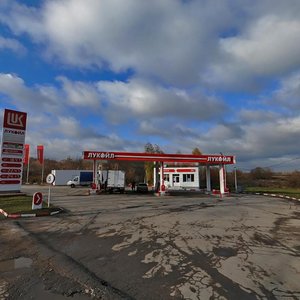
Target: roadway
x,y
145,247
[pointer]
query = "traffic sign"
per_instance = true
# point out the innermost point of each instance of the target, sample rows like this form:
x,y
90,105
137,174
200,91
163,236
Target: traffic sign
x,y
37,200
50,178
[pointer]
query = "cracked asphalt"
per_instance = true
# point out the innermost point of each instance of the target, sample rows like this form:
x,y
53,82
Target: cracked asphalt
x,y
145,247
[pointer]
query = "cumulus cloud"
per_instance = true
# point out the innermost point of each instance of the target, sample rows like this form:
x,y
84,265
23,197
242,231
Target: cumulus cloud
x,y
255,144
143,99
170,39
269,46
266,47
27,98
257,116
80,94
288,93
12,44
167,129
180,42
181,55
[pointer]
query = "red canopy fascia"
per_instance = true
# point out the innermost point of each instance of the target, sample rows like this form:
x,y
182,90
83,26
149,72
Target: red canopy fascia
x,y
210,159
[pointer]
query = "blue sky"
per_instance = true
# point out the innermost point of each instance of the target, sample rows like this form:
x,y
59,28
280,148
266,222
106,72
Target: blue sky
x,y
113,75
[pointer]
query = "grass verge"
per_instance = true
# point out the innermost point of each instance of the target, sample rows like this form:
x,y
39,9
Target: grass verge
x,y
20,204
291,192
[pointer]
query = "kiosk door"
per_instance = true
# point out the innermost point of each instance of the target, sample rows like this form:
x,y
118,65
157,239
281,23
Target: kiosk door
x,y
176,180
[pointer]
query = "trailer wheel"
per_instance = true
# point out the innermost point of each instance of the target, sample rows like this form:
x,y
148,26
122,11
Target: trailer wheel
x,y
72,185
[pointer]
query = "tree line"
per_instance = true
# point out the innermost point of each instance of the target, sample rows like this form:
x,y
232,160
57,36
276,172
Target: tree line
x,y
143,172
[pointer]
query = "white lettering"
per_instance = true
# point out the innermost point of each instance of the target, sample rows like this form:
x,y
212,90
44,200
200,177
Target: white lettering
x,y
219,159
15,119
11,131
101,155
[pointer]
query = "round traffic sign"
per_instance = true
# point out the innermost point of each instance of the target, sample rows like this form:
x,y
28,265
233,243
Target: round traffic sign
x,y
50,178
37,198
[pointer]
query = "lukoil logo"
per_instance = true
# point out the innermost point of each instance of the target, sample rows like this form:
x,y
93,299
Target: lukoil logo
x,y
15,119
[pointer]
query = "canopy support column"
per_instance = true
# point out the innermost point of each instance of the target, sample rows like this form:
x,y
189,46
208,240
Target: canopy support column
x,y
208,180
222,177
162,188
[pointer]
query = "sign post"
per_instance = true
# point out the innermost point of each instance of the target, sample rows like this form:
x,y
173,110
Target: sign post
x,y
12,150
26,160
50,179
40,157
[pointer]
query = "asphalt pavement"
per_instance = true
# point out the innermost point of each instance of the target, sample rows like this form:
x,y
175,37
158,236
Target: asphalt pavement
x,y
139,246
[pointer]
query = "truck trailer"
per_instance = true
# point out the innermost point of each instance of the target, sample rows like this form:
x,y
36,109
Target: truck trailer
x,y
111,180
63,176
84,178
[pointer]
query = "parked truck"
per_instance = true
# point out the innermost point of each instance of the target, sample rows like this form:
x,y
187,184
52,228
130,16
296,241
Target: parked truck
x,y
111,180
63,176
84,178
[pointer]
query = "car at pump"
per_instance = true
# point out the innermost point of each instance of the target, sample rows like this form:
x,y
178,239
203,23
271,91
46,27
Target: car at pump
x,y
142,187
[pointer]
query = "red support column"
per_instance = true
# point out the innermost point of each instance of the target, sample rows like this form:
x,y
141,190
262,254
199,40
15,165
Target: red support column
x,y
162,188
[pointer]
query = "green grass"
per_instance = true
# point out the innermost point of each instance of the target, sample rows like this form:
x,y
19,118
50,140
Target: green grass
x,y
17,204
292,192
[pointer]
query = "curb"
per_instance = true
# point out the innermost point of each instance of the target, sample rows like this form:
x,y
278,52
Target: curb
x,y
274,196
37,214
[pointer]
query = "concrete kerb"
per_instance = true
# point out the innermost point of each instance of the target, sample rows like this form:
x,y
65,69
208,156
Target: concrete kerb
x,y
27,215
273,195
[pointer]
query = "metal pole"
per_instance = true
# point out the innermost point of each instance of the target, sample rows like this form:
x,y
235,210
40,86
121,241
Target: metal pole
x,y
49,196
42,173
235,180
27,176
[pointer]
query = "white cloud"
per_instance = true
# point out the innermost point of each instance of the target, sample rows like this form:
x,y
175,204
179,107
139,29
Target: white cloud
x,y
169,129
181,42
261,142
33,99
141,99
80,94
173,49
257,116
288,93
166,39
12,44
268,46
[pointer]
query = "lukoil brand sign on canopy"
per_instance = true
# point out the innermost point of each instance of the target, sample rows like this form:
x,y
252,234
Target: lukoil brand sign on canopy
x,y
134,156
12,150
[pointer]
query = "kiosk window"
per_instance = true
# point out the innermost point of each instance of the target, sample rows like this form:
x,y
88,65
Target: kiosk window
x,y
188,178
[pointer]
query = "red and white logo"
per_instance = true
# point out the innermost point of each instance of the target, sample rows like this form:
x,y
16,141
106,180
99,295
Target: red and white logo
x,y
14,119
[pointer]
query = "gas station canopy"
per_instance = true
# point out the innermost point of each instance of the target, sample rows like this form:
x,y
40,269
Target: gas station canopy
x,y
208,159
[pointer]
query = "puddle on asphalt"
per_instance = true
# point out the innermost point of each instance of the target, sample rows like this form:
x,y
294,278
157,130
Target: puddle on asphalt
x,y
225,252
16,263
